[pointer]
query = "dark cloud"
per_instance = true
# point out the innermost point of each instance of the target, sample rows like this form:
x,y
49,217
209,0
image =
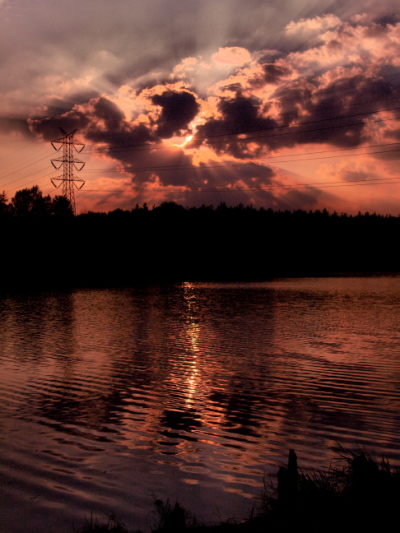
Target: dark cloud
x,y
233,87
306,198
292,98
274,73
250,175
178,109
172,167
240,114
59,106
154,166
324,104
336,114
49,128
374,31
111,116
9,125
385,20
43,46
351,176
393,134
202,183
341,110
100,120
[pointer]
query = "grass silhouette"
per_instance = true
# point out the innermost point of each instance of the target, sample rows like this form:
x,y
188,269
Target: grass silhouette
x,y
355,493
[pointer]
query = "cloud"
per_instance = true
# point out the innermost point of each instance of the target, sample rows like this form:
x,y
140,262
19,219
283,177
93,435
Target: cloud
x,y
274,73
304,111
48,128
334,105
233,55
316,25
10,126
294,77
351,171
178,109
352,176
237,115
349,45
98,46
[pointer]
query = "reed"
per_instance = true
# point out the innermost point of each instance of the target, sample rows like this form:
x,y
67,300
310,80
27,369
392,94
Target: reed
x,y
355,493
111,525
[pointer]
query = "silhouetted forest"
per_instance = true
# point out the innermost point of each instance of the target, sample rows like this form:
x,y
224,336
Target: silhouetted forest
x,y
45,245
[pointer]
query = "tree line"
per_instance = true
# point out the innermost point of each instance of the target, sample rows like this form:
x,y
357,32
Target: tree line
x,y
172,243
31,202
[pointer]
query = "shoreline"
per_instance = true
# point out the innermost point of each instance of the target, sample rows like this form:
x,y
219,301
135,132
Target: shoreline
x,y
360,494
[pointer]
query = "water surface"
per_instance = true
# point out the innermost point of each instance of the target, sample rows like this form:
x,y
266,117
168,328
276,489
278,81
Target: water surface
x,y
191,392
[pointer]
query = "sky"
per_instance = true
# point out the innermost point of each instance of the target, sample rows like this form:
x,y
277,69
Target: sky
x,y
283,104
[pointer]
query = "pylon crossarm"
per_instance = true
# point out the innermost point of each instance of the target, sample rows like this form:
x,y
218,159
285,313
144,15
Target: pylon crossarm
x,y
74,159
82,163
54,161
55,147
80,149
57,186
82,183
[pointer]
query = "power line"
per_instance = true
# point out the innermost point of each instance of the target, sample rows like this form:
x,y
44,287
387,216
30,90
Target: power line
x,y
152,147
196,142
255,162
205,167
23,168
225,165
26,175
299,158
18,150
278,159
353,104
36,180
320,91
335,156
320,185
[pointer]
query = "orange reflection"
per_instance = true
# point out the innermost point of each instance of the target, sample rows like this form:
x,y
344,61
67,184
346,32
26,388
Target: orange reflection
x,y
192,334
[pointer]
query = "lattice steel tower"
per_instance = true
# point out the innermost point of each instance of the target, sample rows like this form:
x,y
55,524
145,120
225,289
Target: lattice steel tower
x,y
68,161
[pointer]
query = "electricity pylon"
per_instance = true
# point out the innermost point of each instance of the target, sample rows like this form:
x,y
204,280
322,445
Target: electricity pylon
x,y
68,161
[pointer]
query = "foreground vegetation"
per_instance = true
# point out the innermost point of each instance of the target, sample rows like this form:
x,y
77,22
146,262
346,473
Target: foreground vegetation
x,y
355,494
170,243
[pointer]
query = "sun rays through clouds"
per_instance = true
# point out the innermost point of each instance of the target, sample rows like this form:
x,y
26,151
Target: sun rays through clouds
x,y
289,105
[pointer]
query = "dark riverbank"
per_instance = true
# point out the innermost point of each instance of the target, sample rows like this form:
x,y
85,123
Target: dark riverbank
x,y
172,244
356,494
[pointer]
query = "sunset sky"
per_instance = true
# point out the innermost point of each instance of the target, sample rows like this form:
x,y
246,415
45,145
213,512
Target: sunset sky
x,y
278,103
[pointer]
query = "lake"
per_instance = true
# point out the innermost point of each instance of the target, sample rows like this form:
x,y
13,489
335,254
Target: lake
x,y
192,392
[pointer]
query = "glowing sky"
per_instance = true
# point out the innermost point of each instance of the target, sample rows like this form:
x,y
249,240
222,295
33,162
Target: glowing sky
x,y
279,103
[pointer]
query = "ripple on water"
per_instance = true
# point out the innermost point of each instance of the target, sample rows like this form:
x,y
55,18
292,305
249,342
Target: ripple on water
x,y
193,392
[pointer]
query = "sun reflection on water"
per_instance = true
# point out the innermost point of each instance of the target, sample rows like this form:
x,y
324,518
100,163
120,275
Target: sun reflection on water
x,y
200,386
192,334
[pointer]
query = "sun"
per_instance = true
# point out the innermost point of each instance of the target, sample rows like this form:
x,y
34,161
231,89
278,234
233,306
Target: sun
x,y
177,141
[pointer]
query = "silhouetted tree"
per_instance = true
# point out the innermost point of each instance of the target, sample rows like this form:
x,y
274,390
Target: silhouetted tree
x,y
169,209
31,202
62,207
173,243
4,208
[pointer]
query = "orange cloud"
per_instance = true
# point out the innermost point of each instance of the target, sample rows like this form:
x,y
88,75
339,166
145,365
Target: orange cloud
x,y
233,55
338,90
